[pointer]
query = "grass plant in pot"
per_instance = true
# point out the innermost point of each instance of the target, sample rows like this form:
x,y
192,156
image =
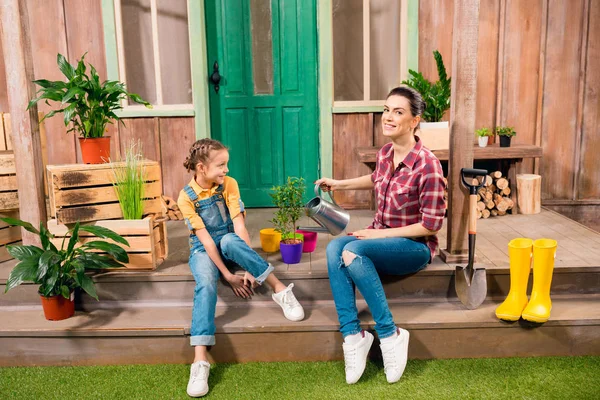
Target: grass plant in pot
x,y
483,136
288,199
434,133
505,133
129,180
58,272
87,104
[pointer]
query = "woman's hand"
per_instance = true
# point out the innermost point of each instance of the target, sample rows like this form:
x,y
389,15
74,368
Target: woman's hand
x,y
328,184
369,234
238,286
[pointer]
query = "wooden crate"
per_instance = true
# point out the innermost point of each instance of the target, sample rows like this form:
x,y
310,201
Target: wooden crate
x,y
148,244
80,192
9,199
8,234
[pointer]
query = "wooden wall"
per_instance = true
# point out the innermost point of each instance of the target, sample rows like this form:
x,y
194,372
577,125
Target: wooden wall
x,y
72,28
538,63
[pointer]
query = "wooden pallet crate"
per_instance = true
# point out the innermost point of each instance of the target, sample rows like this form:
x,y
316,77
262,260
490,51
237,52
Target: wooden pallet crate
x,y
9,199
83,193
148,244
8,234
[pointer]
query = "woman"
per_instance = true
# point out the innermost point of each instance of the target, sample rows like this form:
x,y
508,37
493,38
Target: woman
x,y
409,187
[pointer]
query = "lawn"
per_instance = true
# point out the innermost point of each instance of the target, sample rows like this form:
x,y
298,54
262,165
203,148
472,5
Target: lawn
x,y
523,378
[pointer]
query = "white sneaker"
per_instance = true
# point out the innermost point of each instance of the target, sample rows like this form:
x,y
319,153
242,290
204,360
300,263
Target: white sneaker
x,y
198,384
355,357
287,301
395,355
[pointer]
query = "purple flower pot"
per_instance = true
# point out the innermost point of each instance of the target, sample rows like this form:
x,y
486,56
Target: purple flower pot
x,y
291,253
310,241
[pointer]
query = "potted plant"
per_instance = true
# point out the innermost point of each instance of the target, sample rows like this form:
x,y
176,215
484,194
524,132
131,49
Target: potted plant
x,y
129,180
87,104
505,133
290,206
60,271
483,134
434,132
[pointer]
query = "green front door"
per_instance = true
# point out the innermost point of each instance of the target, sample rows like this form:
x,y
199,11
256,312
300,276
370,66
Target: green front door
x,y
265,110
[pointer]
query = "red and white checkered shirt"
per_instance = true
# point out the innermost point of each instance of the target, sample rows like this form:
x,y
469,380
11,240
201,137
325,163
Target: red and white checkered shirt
x,y
412,193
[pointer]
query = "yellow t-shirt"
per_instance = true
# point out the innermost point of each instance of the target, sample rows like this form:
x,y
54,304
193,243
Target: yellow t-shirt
x,y
231,193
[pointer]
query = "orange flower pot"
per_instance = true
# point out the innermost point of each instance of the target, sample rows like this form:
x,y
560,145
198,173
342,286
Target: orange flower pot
x,y
95,150
57,308
269,240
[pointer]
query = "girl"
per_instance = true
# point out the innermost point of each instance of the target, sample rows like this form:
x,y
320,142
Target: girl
x,y
409,186
214,214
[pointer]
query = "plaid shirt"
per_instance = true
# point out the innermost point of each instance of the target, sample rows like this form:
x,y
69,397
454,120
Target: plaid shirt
x,y
412,193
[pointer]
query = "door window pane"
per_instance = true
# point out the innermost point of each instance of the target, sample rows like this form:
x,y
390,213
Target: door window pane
x,y
174,48
262,46
348,50
385,46
137,46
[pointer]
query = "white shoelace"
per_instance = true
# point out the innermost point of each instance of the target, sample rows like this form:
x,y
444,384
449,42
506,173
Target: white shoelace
x,y
199,372
349,357
389,359
290,300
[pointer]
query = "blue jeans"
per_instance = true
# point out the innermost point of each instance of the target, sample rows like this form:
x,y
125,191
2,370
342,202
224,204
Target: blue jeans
x,y
391,256
234,251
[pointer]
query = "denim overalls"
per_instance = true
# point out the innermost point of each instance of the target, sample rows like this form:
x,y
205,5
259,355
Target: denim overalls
x,y
233,250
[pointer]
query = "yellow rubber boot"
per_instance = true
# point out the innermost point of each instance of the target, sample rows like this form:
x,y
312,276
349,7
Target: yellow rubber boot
x,y
519,254
538,309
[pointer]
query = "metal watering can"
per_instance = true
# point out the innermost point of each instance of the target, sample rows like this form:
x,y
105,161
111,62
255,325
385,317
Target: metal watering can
x,y
332,218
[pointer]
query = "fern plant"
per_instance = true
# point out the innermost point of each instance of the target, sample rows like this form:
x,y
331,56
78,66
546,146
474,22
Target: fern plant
x,y
129,179
436,95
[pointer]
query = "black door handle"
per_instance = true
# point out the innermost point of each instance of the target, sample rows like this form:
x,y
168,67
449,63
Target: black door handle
x,y
215,77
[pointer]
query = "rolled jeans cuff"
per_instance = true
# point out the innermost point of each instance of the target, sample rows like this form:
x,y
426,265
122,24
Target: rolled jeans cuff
x,y
202,340
261,278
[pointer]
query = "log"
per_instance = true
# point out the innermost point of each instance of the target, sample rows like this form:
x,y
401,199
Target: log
x,y
490,204
496,174
488,181
529,187
506,191
485,214
500,213
480,205
502,183
494,213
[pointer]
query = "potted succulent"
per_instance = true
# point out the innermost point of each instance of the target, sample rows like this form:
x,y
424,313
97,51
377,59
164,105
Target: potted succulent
x,y
505,133
60,271
483,135
434,132
87,104
290,207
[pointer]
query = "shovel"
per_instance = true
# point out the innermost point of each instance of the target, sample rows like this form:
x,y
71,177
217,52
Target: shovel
x,y
471,282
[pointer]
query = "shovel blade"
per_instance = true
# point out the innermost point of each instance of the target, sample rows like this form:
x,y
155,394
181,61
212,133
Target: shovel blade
x,y
471,291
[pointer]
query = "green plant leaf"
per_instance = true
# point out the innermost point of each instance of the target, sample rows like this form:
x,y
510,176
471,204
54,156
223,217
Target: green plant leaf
x,y
104,233
22,252
46,260
25,271
17,222
52,278
74,238
87,284
112,249
64,66
65,292
72,92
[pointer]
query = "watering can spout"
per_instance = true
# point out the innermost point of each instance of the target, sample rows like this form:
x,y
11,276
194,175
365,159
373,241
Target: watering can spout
x,y
331,218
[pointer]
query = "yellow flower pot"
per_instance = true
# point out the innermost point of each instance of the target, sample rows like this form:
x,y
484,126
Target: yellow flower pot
x,y
269,240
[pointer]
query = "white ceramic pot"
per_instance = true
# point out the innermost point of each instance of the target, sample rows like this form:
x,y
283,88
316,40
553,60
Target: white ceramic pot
x,y
483,141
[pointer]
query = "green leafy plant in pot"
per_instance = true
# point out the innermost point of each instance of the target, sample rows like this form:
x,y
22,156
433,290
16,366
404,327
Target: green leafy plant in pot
x,y
505,133
288,199
60,271
129,180
483,134
87,104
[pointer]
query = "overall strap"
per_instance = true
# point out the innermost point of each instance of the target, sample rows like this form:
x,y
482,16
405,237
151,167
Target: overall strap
x,y
190,192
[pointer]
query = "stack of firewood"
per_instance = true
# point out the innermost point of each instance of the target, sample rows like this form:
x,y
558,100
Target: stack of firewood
x,y
494,197
171,209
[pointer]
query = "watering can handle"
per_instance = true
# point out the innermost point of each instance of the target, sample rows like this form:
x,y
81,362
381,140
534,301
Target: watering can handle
x,y
317,194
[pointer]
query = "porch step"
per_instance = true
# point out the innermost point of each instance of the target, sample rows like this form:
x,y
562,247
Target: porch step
x,y
260,333
434,284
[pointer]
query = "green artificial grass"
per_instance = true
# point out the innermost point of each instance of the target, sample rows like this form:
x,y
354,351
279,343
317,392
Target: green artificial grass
x,y
522,378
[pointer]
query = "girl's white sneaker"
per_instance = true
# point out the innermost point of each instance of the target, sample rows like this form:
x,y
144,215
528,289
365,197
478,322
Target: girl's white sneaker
x,y
290,305
198,384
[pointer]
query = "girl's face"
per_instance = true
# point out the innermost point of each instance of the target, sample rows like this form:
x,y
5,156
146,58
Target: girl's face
x,y
397,119
216,168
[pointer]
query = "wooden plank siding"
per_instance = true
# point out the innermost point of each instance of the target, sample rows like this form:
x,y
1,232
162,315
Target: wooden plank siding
x,y
537,71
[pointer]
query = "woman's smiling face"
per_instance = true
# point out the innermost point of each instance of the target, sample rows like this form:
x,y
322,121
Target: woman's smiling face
x,y
397,119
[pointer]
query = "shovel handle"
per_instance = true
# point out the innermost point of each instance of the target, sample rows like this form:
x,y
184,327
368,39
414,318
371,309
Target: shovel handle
x,y
472,214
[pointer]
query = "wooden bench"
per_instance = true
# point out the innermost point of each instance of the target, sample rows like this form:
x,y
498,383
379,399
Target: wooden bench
x,y
510,155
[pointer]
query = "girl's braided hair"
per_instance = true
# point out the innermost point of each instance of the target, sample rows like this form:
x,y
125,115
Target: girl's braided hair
x,y
200,152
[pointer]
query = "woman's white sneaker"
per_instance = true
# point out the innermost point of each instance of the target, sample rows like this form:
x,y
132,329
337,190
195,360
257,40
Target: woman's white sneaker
x,y
198,383
355,357
395,355
290,305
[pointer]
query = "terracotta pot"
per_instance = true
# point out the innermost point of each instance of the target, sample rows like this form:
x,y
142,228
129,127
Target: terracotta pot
x,y
57,308
95,150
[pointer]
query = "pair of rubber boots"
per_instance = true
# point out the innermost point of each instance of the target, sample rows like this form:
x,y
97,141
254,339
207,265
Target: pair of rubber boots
x,y
516,305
